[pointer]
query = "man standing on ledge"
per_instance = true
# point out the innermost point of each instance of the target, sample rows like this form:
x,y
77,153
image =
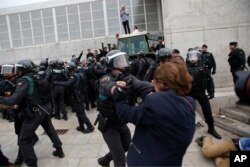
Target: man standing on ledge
x,y
236,59
125,17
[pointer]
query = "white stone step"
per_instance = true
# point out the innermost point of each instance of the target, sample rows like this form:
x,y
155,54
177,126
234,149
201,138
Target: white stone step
x,y
237,114
232,126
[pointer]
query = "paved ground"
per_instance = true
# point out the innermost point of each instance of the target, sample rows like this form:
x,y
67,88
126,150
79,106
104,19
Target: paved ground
x,y
84,149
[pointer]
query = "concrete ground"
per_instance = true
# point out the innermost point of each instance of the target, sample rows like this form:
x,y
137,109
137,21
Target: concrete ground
x,y
84,149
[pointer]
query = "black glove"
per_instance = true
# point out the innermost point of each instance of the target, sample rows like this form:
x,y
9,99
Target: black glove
x,y
210,95
120,94
213,72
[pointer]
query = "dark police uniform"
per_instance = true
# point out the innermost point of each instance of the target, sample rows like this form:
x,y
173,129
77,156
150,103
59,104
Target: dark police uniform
x,y
75,82
208,61
26,92
58,93
237,61
116,133
199,86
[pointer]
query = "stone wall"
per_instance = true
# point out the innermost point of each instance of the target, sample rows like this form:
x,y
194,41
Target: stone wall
x,y
192,23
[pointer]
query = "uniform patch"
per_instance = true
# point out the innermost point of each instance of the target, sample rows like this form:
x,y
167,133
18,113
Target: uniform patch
x,y
19,84
106,78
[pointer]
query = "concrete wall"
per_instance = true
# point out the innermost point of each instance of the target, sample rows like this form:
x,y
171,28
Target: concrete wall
x,y
62,50
192,23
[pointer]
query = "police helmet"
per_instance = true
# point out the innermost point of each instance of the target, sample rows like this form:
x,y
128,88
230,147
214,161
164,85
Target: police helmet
x,y
25,66
43,64
164,53
193,56
141,53
7,70
60,64
52,63
117,59
90,59
102,60
71,66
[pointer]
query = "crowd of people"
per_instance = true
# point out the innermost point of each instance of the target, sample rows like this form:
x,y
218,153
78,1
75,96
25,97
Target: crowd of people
x,y
112,83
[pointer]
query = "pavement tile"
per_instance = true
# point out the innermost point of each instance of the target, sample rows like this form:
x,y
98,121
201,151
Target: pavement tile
x,y
83,150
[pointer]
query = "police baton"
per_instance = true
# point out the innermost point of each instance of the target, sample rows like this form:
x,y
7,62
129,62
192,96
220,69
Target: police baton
x,y
41,108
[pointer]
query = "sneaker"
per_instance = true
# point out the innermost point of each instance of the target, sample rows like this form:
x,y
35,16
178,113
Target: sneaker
x,y
214,133
199,141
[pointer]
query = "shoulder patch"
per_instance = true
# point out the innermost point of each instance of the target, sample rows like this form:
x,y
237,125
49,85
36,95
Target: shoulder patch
x,y
71,77
19,84
106,78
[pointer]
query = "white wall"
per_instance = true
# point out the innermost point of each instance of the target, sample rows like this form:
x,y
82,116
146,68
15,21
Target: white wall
x,y
192,23
62,50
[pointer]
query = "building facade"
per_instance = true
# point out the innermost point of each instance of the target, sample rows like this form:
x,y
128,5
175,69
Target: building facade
x,y
59,29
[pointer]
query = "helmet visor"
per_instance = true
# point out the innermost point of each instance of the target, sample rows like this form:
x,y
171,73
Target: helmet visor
x,y
193,56
18,69
7,70
120,60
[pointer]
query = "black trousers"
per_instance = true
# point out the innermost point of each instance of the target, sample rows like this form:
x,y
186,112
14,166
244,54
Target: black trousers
x,y
118,139
78,108
206,107
4,161
58,100
92,91
126,27
29,127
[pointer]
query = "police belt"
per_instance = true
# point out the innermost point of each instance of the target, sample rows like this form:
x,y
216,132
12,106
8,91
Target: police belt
x,y
38,108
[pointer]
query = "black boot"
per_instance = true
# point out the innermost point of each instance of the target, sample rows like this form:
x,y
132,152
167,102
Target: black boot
x,y
19,159
213,132
93,105
81,127
58,117
104,161
65,117
90,128
35,139
58,152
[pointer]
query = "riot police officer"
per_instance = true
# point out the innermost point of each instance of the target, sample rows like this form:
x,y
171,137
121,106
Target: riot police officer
x,y
36,112
75,83
143,66
151,58
164,54
58,91
200,75
116,132
236,59
208,60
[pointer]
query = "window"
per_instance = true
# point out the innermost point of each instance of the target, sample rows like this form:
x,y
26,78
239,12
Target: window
x,y
98,18
15,30
113,17
4,36
62,25
37,27
73,20
26,29
86,20
49,33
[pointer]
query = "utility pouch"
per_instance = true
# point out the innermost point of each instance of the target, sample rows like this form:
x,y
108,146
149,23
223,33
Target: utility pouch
x,y
102,122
